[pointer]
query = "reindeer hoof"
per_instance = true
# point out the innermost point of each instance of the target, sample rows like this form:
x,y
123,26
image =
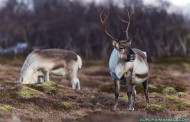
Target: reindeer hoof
x,y
114,108
147,106
130,109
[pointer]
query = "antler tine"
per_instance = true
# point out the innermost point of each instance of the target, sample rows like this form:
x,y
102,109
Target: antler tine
x,y
104,24
122,20
128,22
137,31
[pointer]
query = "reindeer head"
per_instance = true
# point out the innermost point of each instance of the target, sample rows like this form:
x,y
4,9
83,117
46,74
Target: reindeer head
x,y
122,46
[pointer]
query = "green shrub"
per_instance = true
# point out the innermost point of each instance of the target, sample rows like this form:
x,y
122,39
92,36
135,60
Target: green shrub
x,y
6,108
155,108
169,90
27,92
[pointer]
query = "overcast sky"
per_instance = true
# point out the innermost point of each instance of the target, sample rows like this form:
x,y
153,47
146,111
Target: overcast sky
x,y
174,2
178,3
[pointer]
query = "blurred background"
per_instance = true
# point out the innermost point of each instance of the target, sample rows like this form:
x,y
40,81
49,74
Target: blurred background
x,y
25,25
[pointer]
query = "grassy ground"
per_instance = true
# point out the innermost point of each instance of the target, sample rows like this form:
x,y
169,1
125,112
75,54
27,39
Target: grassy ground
x,y
56,101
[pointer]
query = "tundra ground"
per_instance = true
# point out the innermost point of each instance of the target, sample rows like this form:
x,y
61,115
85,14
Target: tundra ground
x,y
169,93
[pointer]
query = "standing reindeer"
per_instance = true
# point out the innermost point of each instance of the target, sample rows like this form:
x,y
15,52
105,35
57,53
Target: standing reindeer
x,y
41,63
128,65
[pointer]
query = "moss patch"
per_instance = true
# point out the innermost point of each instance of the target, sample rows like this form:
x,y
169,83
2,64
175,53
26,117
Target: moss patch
x,y
180,89
151,88
156,77
31,110
172,99
185,105
6,108
173,60
47,87
27,92
169,90
49,84
110,88
155,94
155,108
66,105
181,94
171,102
50,90
124,98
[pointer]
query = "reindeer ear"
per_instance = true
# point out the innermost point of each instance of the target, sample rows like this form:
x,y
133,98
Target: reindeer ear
x,y
115,44
130,41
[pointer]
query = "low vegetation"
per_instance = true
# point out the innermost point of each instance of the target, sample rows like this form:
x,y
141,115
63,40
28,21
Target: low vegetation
x,y
27,92
155,108
48,87
6,108
169,90
181,94
39,102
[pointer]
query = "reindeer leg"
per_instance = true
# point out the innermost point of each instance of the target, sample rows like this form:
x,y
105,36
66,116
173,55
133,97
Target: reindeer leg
x,y
134,94
128,77
46,76
117,90
145,86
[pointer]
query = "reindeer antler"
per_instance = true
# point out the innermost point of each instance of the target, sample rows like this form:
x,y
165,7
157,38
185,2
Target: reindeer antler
x,y
104,24
128,22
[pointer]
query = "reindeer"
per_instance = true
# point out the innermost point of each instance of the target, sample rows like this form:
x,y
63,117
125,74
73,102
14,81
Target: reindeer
x,y
128,65
40,63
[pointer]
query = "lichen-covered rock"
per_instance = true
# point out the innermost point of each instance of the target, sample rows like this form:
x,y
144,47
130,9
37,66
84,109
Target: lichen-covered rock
x,y
27,92
169,90
155,108
181,94
6,108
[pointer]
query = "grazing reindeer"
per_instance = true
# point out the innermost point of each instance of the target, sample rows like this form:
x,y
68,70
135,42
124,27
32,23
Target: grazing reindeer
x,y
128,65
59,62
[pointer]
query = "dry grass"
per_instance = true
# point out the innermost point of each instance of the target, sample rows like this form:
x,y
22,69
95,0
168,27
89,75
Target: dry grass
x,y
58,102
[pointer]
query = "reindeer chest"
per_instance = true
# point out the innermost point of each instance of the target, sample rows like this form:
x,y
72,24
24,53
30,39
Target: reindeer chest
x,y
118,66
